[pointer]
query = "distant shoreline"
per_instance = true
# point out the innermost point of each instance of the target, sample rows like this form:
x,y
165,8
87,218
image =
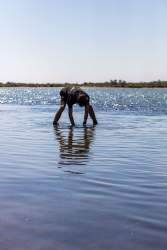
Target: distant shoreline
x,y
111,84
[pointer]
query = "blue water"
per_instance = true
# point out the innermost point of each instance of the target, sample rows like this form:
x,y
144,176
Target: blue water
x,y
102,187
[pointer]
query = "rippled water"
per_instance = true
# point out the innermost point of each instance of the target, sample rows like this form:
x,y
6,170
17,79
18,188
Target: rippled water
x,y
102,187
140,101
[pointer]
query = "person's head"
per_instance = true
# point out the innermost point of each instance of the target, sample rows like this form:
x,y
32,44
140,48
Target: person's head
x,y
83,100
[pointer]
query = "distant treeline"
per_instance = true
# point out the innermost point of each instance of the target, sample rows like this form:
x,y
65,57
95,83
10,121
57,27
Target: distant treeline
x,y
112,83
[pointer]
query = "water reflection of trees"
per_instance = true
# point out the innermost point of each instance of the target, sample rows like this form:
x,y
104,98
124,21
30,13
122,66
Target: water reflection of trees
x,y
74,144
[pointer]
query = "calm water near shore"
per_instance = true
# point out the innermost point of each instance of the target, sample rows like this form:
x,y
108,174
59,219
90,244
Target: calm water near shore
x,y
102,187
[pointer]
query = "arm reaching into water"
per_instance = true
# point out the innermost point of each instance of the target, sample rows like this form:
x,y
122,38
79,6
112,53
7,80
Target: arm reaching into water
x,y
86,114
59,112
70,111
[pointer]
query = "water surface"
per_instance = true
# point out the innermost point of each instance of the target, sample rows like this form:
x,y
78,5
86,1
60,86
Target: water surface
x,y
101,187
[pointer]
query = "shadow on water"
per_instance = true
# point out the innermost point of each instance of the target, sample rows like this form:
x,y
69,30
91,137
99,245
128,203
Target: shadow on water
x,y
74,145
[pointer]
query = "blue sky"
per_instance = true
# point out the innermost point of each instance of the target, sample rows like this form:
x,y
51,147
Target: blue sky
x,y
83,40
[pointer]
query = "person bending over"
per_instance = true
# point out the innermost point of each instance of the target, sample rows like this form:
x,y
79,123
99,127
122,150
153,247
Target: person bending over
x,y
71,96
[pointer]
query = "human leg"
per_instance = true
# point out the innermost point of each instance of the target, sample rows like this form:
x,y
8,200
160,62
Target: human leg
x,y
92,114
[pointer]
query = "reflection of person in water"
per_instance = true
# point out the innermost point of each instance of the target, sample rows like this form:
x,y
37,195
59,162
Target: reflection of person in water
x,y
74,149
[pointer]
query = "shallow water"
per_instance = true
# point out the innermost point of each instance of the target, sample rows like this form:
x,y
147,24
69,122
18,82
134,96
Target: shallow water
x,y
100,187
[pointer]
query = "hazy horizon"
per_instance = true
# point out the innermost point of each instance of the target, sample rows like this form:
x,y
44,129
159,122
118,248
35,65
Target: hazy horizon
x,y
83,41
